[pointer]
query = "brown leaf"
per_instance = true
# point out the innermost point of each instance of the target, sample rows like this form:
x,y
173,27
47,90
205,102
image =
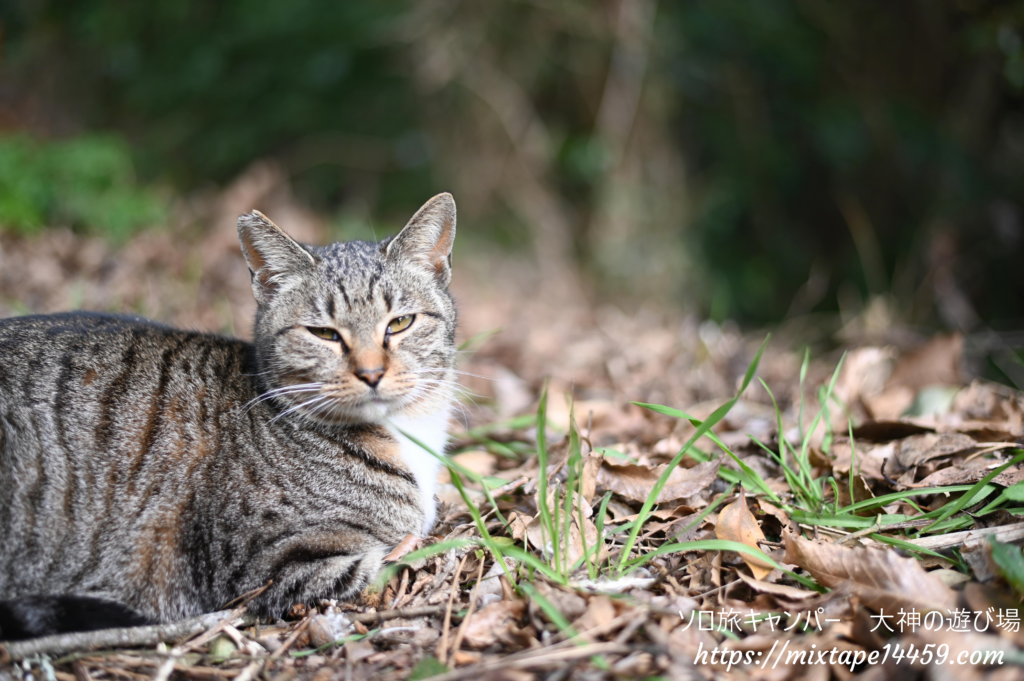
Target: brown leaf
x,y
493,623
776,513
567,602
635,482
518,523
600,611
737,523
671,515
918,449
879,578
478,461
870,459
403,547
937,362
787,592
591,467
956,475
581,530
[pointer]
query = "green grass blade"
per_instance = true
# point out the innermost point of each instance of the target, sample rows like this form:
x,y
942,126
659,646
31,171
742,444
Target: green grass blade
x,y
553,613
473,343
907,546
802,459
723,545
532,561
887,499
796,480
704,427
426,552
950,509
853,460
803,375
705,513
547,524
456,470
748,476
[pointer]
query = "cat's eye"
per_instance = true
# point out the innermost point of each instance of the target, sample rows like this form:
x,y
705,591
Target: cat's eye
x,y
400,324
323,332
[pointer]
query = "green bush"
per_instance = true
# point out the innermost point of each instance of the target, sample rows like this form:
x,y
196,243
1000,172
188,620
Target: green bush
x,y
87,183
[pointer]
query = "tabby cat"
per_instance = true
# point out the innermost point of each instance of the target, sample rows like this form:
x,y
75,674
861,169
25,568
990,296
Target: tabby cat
x,y
149,473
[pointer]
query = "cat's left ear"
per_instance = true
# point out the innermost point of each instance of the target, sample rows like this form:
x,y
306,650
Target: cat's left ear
x,y
428,238
273,256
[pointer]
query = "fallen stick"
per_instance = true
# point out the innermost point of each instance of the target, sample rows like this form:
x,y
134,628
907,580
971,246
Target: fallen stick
x,y
533,659
1004,533
406,613
110,638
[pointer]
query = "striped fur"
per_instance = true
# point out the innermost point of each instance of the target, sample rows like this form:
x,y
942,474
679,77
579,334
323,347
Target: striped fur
x,y
172,471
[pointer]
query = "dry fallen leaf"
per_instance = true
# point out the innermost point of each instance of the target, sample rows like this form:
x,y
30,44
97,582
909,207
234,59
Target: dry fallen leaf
x,y
600,611
403,547
518,522
737,523
881,579
591,468
493,623
918,449
937,362
960,475
777,513
635,482
580,529
788,592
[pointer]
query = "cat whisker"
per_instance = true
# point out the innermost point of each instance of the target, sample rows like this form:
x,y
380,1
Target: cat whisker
x,y
283,390
314,400
451,371
457,389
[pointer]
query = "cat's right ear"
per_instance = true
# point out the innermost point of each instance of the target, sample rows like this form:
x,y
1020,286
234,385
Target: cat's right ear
x,y
428,238
273,256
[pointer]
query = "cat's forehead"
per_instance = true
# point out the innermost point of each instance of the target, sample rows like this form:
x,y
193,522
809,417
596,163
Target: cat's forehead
x,y
355,276
351,258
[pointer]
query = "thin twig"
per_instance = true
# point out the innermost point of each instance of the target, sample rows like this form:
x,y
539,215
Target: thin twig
x,y
213,631
442,648
248,595
402,586
294,635
533,658
472,604
111,638
877,527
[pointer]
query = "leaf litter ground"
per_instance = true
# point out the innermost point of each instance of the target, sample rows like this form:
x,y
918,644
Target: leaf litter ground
x,y
625,495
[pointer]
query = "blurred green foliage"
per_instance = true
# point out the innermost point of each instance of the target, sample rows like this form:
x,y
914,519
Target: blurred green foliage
x,y
84,182
205,88
879,143
828,151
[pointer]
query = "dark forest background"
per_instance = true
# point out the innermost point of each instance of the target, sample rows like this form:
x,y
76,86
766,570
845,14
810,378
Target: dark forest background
x,y
756,161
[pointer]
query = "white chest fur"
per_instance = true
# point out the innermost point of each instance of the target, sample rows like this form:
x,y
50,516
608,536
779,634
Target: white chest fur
x,y
431,430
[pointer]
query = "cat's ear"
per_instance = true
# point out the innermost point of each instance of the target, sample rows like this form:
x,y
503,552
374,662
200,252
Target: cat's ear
x,y
428,238
273,256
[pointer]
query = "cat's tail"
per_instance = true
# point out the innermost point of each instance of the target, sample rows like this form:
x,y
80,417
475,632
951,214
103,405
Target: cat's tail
x,y
32,616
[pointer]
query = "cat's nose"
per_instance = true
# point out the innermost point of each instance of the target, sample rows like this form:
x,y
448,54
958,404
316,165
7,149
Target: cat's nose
x,y
370,377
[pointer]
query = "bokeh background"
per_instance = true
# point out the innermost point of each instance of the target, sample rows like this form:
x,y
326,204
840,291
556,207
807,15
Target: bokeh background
x,y
843,172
